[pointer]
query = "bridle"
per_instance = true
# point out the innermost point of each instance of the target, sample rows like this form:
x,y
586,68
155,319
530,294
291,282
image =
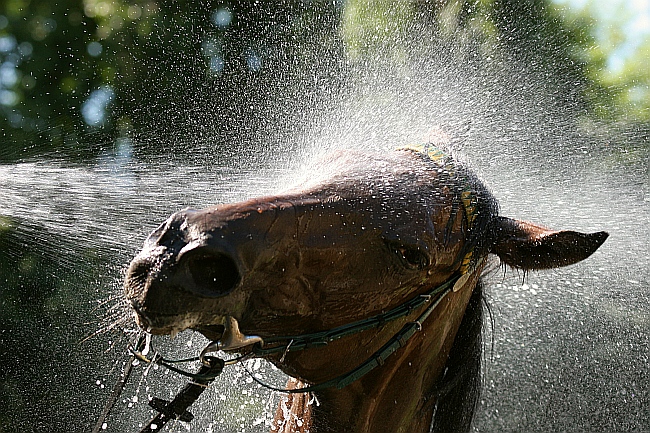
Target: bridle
x,y
233,340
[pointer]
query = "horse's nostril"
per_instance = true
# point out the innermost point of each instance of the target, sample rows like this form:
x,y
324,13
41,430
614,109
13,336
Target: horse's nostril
x,y
213,274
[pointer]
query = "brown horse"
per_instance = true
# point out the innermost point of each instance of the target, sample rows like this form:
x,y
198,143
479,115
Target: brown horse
x,y
368,236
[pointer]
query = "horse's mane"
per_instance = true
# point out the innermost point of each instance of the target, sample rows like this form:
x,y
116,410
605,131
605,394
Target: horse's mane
x,y
458,391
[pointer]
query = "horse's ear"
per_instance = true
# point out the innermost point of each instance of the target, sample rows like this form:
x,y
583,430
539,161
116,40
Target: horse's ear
x,y
525,245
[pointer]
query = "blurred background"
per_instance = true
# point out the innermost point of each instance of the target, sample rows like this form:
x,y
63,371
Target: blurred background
x,y
114,114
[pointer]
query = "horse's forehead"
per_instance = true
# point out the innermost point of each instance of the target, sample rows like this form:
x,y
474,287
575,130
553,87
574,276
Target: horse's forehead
x,y
352,191
352,170
395,180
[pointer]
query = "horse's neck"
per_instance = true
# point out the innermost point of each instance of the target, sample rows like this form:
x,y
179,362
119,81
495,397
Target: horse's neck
x,y
400,406
402,395
396,398
294,411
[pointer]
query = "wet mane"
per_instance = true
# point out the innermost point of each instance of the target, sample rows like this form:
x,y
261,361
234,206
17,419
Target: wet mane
x,y
459,389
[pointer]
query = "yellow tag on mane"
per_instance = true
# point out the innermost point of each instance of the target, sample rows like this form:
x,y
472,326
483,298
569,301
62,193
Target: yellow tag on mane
x,y
469,274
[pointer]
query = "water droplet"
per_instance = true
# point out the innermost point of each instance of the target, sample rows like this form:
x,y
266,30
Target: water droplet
x,y
94,48
222,17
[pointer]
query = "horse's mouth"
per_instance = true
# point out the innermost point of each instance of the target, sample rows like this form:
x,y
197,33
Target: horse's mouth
x,y
158,326
172,324
211,332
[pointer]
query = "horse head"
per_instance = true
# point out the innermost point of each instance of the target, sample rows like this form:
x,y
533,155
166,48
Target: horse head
x,y
366,235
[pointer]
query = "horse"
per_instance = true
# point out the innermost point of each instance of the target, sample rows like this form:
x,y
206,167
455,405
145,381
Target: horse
x,y
363,284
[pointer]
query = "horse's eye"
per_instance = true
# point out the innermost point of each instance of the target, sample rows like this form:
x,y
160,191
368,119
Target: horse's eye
x,y
410,256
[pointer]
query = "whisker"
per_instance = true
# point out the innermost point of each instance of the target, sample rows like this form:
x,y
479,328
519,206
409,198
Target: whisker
x,y
105,329
116,297
116,315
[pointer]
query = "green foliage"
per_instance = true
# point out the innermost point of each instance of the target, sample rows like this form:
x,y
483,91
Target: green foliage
x,y
218,71
41,274
46,75
615,52
529,33
561,45
25,285
370,27
156,71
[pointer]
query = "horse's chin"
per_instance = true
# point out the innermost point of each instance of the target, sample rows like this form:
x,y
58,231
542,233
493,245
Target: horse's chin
x,y
211,332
